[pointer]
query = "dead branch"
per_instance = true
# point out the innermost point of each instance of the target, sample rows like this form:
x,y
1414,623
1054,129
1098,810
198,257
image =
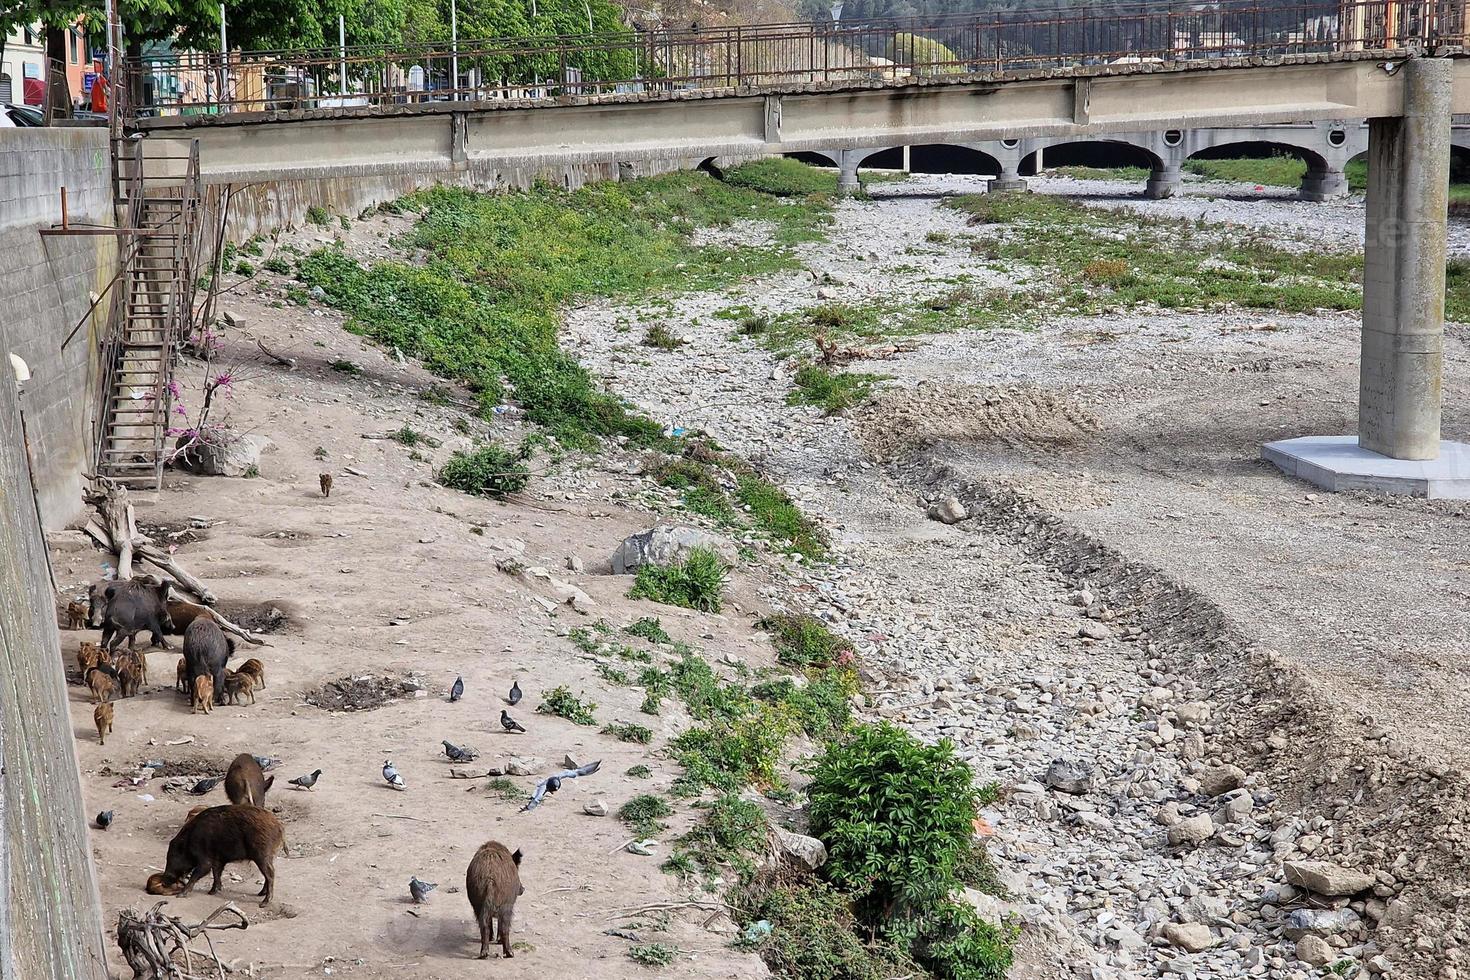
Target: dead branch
x,y
117,511
153,942
286,362
165,562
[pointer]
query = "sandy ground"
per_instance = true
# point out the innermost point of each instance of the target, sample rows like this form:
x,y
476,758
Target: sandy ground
x,y
394,576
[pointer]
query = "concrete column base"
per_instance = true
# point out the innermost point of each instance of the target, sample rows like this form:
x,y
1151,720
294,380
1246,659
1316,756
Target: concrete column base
x,y
1005,184
1337,463
848,185
1163,183
1323,185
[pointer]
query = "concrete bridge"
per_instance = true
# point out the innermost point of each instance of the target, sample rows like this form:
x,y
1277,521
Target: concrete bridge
x,y
1329,98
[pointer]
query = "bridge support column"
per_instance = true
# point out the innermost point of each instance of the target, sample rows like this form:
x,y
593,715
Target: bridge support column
x,y
1398,447
847,172
1323,185
1009,181
1163,182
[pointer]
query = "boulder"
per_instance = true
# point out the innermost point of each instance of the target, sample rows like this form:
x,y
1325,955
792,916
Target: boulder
x,y
1193,937
1091,630
1326,878
948,510
231,456
1221,779
595,808
1192,830
1069,776
802,849
1314,951
664,544
988,907
523,766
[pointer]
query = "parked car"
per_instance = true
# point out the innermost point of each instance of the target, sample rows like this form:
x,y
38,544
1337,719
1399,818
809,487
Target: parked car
x,y
19,115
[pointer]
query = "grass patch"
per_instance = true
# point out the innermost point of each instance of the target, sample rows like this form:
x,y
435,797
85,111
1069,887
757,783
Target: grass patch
x,y
484,308
317,215
563,703
1130,174
639,772
627,732
653,954
488,470
662,338
731,834
772,511
697,582
346,367
650,629
783,177
645,812
505,789
833,392
804,641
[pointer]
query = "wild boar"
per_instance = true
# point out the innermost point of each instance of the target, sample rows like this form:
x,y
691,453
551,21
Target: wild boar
x,y
220,835
207,650
104,683
493,883
76,614
123,609
102,717
255,669
245,782
203,694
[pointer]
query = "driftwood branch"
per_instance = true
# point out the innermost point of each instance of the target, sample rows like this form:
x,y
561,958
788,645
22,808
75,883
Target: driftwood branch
x,y
286,362
153,942
164,561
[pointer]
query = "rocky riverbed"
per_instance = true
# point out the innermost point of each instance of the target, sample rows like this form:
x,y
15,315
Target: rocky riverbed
x,y
1030,567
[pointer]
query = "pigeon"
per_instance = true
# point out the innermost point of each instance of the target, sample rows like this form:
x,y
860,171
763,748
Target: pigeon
x,y
104,820
391,775
265,762
457,691
509,723
420,889
205,785
514,697
457,754
553,782
307,781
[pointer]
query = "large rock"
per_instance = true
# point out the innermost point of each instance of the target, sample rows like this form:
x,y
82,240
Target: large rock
x,y
1314,951
665,544
805,850
1327,879
948,510
233,456
1192,830
1221,779
1070,776
1193,937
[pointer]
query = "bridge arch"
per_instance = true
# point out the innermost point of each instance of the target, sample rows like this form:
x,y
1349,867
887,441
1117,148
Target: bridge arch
x,y
951,158
816,158
1263,149
1137,151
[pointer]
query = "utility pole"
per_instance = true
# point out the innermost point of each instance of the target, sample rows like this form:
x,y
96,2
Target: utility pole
x,y
454,50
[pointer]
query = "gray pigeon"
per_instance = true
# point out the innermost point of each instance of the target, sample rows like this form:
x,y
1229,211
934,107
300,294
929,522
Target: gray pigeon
x,y
391,776
205,785
458,754
307,781
104,820
515,693
265,762
420,889
509,723
553,782
457,691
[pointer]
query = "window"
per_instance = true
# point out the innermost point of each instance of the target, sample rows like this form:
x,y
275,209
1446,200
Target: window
x,y
75,57
7,95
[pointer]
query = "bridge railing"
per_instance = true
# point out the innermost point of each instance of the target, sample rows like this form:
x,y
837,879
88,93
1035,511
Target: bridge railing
x,y
747,57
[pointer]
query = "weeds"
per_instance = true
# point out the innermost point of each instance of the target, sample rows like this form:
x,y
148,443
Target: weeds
x,y
644,814
804,641
627,732
653,954
488,470
505,789
696,582
346,367
639,772
833,392
561,702
732,833
659,336
650,629
318,215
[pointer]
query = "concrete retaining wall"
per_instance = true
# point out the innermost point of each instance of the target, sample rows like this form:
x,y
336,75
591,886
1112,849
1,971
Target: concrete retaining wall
x,y
46,284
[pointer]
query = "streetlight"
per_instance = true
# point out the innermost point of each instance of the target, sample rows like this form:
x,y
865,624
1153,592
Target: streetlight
x,y
836,11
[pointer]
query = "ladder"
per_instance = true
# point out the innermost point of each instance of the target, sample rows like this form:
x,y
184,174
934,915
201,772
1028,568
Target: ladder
x,y
151,310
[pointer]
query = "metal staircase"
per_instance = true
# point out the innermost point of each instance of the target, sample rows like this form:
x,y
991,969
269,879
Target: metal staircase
x,y
151,310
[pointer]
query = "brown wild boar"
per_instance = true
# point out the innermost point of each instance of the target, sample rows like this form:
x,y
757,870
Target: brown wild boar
x,y
104,683
182,612
76,615
127,674
89,655
181,680
203,694
207,650
238,685
220,835
326,482
195,811
245,782
255,669
102,716
493,883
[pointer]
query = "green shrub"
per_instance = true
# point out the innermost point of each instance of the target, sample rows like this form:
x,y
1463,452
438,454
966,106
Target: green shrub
x,y
650,629
486,471
830,391
639,772
653,954
318,215
732,833
821,708
629,733
644,813
814,934
953,943
561,702
244,268
660,337
782,177
697,582
804,641
896,816
278,265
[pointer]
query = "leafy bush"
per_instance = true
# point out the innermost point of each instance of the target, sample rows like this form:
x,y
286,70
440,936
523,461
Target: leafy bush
x,y
697,582
953,943
896,816
650,629
804,641
278,265
814,933
318,215
629,733
831,391
244,268
644,813
486,471
560,701
653,954
821,708
729,755
639,771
